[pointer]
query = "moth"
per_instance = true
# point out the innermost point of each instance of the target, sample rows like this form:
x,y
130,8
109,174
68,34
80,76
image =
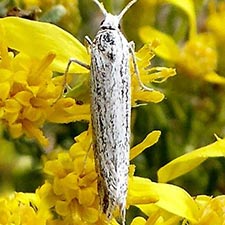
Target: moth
x,y
110,84
111,111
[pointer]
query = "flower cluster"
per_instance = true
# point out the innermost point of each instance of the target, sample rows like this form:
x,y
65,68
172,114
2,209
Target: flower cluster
x,y
30,93
70,190
23,208
196,57
27,93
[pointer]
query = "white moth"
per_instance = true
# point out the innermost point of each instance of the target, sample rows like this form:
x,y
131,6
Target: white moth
x,y
111,112
110,83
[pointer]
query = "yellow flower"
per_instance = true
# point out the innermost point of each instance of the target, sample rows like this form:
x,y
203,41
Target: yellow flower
x,y
20,208
148,75
71,191
197,57
174,204
71,188
23,106
30,93
206,210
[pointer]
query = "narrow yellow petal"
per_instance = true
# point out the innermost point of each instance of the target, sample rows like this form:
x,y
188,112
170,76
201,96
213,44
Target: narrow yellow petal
x,y
147,96
66,110
150,140
37,39
187,162
214,78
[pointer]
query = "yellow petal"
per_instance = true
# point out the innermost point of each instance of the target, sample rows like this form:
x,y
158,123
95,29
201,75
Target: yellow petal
x,y
86,196
140,191
172,199
150,140
2,112
34,132
147,96
46,194
6,74
188,7
66,110
12,106
23,97
167,48
37,39
5,89
138,221
54,168
16,130
211,209
214,78
187,162
71,181
90,215
159,74
61,207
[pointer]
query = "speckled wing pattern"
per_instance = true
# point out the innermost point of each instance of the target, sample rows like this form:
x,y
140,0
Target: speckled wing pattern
x,y
111,109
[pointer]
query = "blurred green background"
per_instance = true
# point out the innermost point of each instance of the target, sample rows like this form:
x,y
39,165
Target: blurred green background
x,y
189,116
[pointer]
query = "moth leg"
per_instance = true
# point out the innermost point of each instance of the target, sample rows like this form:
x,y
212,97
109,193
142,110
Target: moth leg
x,y
131,48
64,85
88,41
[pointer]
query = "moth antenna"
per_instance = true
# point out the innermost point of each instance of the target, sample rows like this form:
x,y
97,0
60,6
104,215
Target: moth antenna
x,y
101,6
125,9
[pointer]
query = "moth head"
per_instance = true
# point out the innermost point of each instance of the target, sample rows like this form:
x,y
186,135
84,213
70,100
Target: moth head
x,y
112,21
